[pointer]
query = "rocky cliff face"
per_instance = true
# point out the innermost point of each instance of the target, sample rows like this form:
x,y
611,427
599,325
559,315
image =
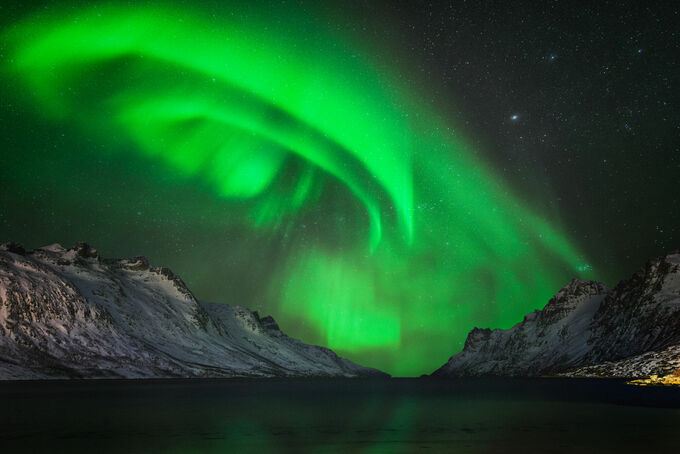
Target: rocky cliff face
x,y
70,313
586,329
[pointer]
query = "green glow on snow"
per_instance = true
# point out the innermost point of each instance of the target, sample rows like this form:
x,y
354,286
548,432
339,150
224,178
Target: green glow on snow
x,y
396,239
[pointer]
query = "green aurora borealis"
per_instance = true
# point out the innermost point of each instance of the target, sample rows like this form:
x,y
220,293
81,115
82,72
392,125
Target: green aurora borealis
x,y
385,237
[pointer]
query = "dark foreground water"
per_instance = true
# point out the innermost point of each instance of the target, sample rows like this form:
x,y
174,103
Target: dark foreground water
x,y
337,416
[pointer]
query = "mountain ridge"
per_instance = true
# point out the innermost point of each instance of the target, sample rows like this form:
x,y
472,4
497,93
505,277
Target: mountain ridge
x,y
631,330
68,313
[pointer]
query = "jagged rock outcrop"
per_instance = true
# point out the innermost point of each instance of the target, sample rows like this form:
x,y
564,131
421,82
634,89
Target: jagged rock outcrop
x,y
70,313
586,329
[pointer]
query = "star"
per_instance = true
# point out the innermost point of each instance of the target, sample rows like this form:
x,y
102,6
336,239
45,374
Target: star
x,y
514,117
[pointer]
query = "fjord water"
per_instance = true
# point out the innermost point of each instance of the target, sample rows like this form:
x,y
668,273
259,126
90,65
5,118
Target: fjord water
x,y
337,416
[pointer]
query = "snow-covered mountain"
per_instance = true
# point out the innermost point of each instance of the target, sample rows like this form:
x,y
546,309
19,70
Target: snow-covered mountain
x,y
632,330
70,313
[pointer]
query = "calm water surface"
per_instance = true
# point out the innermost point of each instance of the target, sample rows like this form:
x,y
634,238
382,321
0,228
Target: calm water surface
x,y
337,416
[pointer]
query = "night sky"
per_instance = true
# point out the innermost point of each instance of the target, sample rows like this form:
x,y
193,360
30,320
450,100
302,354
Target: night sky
x,y
380,177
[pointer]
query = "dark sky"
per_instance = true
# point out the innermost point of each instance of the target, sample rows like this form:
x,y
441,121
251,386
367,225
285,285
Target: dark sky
x,y
567,113
595,91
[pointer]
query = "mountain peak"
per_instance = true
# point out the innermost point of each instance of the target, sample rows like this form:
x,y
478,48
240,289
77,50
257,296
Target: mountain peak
x,y
580,287
13,247
54,247
84,250
576,293
476,337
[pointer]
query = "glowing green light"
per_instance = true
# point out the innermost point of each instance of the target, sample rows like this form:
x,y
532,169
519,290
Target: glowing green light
x,y
395,240
342,300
